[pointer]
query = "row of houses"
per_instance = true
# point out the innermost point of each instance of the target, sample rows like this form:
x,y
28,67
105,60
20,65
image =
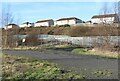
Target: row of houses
x,y
97,19
51,22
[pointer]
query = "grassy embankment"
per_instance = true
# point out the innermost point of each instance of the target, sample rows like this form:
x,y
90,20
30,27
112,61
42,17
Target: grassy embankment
x,y
74,31
82,51
20,68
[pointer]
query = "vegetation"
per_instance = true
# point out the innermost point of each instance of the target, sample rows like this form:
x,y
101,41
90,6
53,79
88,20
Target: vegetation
x,y
102,73
66,25
50,32
20,68
75,31
71,31
43,47
83,51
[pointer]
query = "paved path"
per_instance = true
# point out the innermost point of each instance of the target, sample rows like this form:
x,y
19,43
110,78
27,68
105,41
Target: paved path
x,y
79,63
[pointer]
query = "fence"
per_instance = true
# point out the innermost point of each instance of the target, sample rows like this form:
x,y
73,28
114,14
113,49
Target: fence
x,y
58,39
82,41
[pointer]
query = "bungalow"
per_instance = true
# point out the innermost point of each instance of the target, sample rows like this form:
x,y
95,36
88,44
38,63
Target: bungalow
x,y
10,26
47,23
69,21
108,18
27,24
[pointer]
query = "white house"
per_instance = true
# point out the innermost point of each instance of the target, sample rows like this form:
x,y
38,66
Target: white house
x,y
47,23
11,26
108,18
70,21
27,24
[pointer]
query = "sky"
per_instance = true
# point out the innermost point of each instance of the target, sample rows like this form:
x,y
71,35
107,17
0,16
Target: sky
x,y
34,11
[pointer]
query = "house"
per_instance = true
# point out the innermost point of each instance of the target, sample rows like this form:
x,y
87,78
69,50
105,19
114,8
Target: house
x,y
108,18
27,24
88,22
11,26
69,21
47,23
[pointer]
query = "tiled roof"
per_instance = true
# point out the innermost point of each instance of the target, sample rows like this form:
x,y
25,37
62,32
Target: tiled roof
x,y
104,16
71,18
44,21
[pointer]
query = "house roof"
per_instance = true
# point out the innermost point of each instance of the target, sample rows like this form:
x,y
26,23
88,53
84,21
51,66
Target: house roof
x,y
103,16
70,18
44,21
12,24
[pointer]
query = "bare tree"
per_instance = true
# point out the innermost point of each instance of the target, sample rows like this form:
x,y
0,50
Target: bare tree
x,y
7,18
119,10
107,28
104,9
115,7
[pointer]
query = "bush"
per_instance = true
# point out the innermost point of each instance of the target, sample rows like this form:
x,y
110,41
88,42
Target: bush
x,y
79,50
66,25
50,32
31,40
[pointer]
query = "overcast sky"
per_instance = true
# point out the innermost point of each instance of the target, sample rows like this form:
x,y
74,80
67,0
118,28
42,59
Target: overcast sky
x,y
34,11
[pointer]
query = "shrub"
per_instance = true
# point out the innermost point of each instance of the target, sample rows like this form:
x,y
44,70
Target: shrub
x,y
66,25
50,32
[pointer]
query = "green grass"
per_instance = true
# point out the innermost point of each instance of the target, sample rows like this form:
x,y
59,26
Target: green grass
x,y
83,51
16,68
41,48
80,50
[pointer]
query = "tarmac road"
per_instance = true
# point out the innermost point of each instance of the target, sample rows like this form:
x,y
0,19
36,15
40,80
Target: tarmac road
x,y
81,64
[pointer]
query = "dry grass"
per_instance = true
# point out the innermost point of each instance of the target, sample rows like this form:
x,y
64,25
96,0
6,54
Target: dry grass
x,y
96,52
71,31
104,53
